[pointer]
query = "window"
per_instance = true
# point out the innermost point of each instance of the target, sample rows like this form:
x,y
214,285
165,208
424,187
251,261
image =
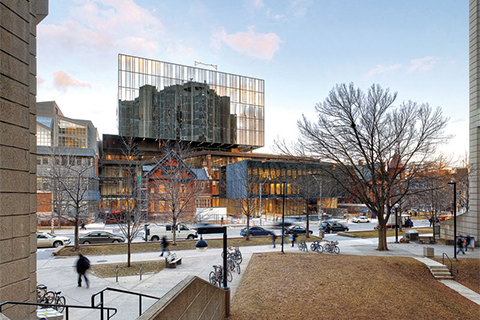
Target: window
x,y
39,161
79,162
45,160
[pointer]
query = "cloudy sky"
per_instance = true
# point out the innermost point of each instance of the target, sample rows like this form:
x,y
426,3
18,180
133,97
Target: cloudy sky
x,y
301,48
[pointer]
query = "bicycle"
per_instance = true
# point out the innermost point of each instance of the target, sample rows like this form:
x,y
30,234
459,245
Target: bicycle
x,y
43,296
316,246
331,247
216,277
237,255
233,264
58,301
302,246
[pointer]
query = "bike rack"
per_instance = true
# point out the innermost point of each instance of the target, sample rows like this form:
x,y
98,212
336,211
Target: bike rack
x,y
67,307
101,303
451,264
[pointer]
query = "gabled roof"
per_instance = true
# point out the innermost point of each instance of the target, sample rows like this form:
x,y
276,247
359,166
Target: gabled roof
x,y
171,155
201,174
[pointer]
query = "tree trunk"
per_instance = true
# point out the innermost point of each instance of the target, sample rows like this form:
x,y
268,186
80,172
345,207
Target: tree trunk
x,y
382,237
76,246
248,228
129,241
307,235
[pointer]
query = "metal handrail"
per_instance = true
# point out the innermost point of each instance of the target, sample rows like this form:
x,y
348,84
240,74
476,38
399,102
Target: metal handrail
x,y
101,303
67,307
451,264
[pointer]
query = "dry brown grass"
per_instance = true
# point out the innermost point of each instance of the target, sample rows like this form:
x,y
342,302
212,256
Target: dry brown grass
x,y
390,233
469,272
139,247
321,286
109,270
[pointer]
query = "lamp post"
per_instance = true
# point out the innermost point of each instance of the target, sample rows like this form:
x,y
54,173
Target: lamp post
x,y
319,196
202,245
283,213
454,219
396,222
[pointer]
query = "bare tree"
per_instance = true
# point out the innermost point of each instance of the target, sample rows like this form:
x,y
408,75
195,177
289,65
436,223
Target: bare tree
x,y
172,188
376,145
242,191
132,191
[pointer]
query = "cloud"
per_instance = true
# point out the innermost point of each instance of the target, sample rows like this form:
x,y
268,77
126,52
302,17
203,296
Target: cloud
x,y
257,4
300,7
250,43
379,69
63,81
99,26
422,64
272,16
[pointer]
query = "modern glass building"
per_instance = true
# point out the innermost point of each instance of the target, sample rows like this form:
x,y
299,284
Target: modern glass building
x,y
169,101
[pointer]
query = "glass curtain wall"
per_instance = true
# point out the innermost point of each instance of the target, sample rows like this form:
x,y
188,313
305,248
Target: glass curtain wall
x,y
151,91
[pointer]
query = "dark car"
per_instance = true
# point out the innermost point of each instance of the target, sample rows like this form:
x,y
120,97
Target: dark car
x,y
256,231
329,227
99,237
297,230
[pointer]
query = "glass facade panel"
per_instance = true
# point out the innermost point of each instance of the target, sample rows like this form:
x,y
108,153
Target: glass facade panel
x,y
170,101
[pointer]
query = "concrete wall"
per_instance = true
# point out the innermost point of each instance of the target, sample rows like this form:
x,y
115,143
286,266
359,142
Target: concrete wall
x,y
18,21
191,299
469,223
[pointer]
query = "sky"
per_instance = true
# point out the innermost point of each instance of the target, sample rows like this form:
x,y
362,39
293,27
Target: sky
x,y
301,48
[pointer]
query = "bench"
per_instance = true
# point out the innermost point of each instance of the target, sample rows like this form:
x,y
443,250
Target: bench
x,y
425,238
172,261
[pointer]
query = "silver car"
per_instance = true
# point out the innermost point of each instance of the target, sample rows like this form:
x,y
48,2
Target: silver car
x,y
46,240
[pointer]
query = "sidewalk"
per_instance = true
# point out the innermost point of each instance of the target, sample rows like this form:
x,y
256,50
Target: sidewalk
x,y
58,273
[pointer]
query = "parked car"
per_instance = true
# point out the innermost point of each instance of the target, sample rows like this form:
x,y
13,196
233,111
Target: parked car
x,y
95,237
256,231
46,240
329,227
360,219
154,232
297,230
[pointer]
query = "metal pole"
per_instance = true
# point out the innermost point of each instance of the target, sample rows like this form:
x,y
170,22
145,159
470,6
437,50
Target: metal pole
x,y
283,216
225,258
454,219
396,224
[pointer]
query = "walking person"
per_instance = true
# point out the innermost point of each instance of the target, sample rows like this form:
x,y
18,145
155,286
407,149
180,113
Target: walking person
x,y
274,237
294,237
468,240
164,246
460,244
83,264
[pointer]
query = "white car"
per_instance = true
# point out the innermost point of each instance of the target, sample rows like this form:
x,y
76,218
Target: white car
x,y
45,240
360,219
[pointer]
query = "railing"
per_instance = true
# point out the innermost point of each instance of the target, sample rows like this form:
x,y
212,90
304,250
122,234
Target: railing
x,y
452,267
101,303
67,307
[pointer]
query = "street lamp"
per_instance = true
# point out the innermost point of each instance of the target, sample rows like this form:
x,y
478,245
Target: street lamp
x,y
396,222
454,219
319,209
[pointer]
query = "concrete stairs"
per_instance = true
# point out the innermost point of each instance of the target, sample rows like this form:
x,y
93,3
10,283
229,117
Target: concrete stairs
x,y
440,272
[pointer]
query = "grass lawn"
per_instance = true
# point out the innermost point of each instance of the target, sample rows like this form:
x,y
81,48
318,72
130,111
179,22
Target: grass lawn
x,y
109,270
390,233
138,247
321,286
468,272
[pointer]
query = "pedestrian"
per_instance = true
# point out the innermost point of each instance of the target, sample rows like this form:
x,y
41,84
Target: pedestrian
x,y
431,221
164,246
82,225
468,240
274,237
83,264
411,223
460,244
294,237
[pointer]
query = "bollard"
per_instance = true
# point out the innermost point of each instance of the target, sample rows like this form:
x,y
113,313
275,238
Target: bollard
x,y
140,272
116,277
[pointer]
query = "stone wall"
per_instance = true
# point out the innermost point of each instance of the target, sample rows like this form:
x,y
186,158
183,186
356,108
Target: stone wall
x,y
18,21
191,299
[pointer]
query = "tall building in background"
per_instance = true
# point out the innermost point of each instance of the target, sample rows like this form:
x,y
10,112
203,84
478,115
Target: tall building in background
x,y
168,101
18,90
469,223
65,147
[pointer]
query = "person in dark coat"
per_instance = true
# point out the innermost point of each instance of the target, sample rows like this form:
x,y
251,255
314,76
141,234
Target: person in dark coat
x,y
294,237
164,246
460,244
83,264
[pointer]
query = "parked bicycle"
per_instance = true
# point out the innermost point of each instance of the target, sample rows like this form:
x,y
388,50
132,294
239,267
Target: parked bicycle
x,y
216,276
316,247
236,254
42,294
331,247
233,264
58,301
302,246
